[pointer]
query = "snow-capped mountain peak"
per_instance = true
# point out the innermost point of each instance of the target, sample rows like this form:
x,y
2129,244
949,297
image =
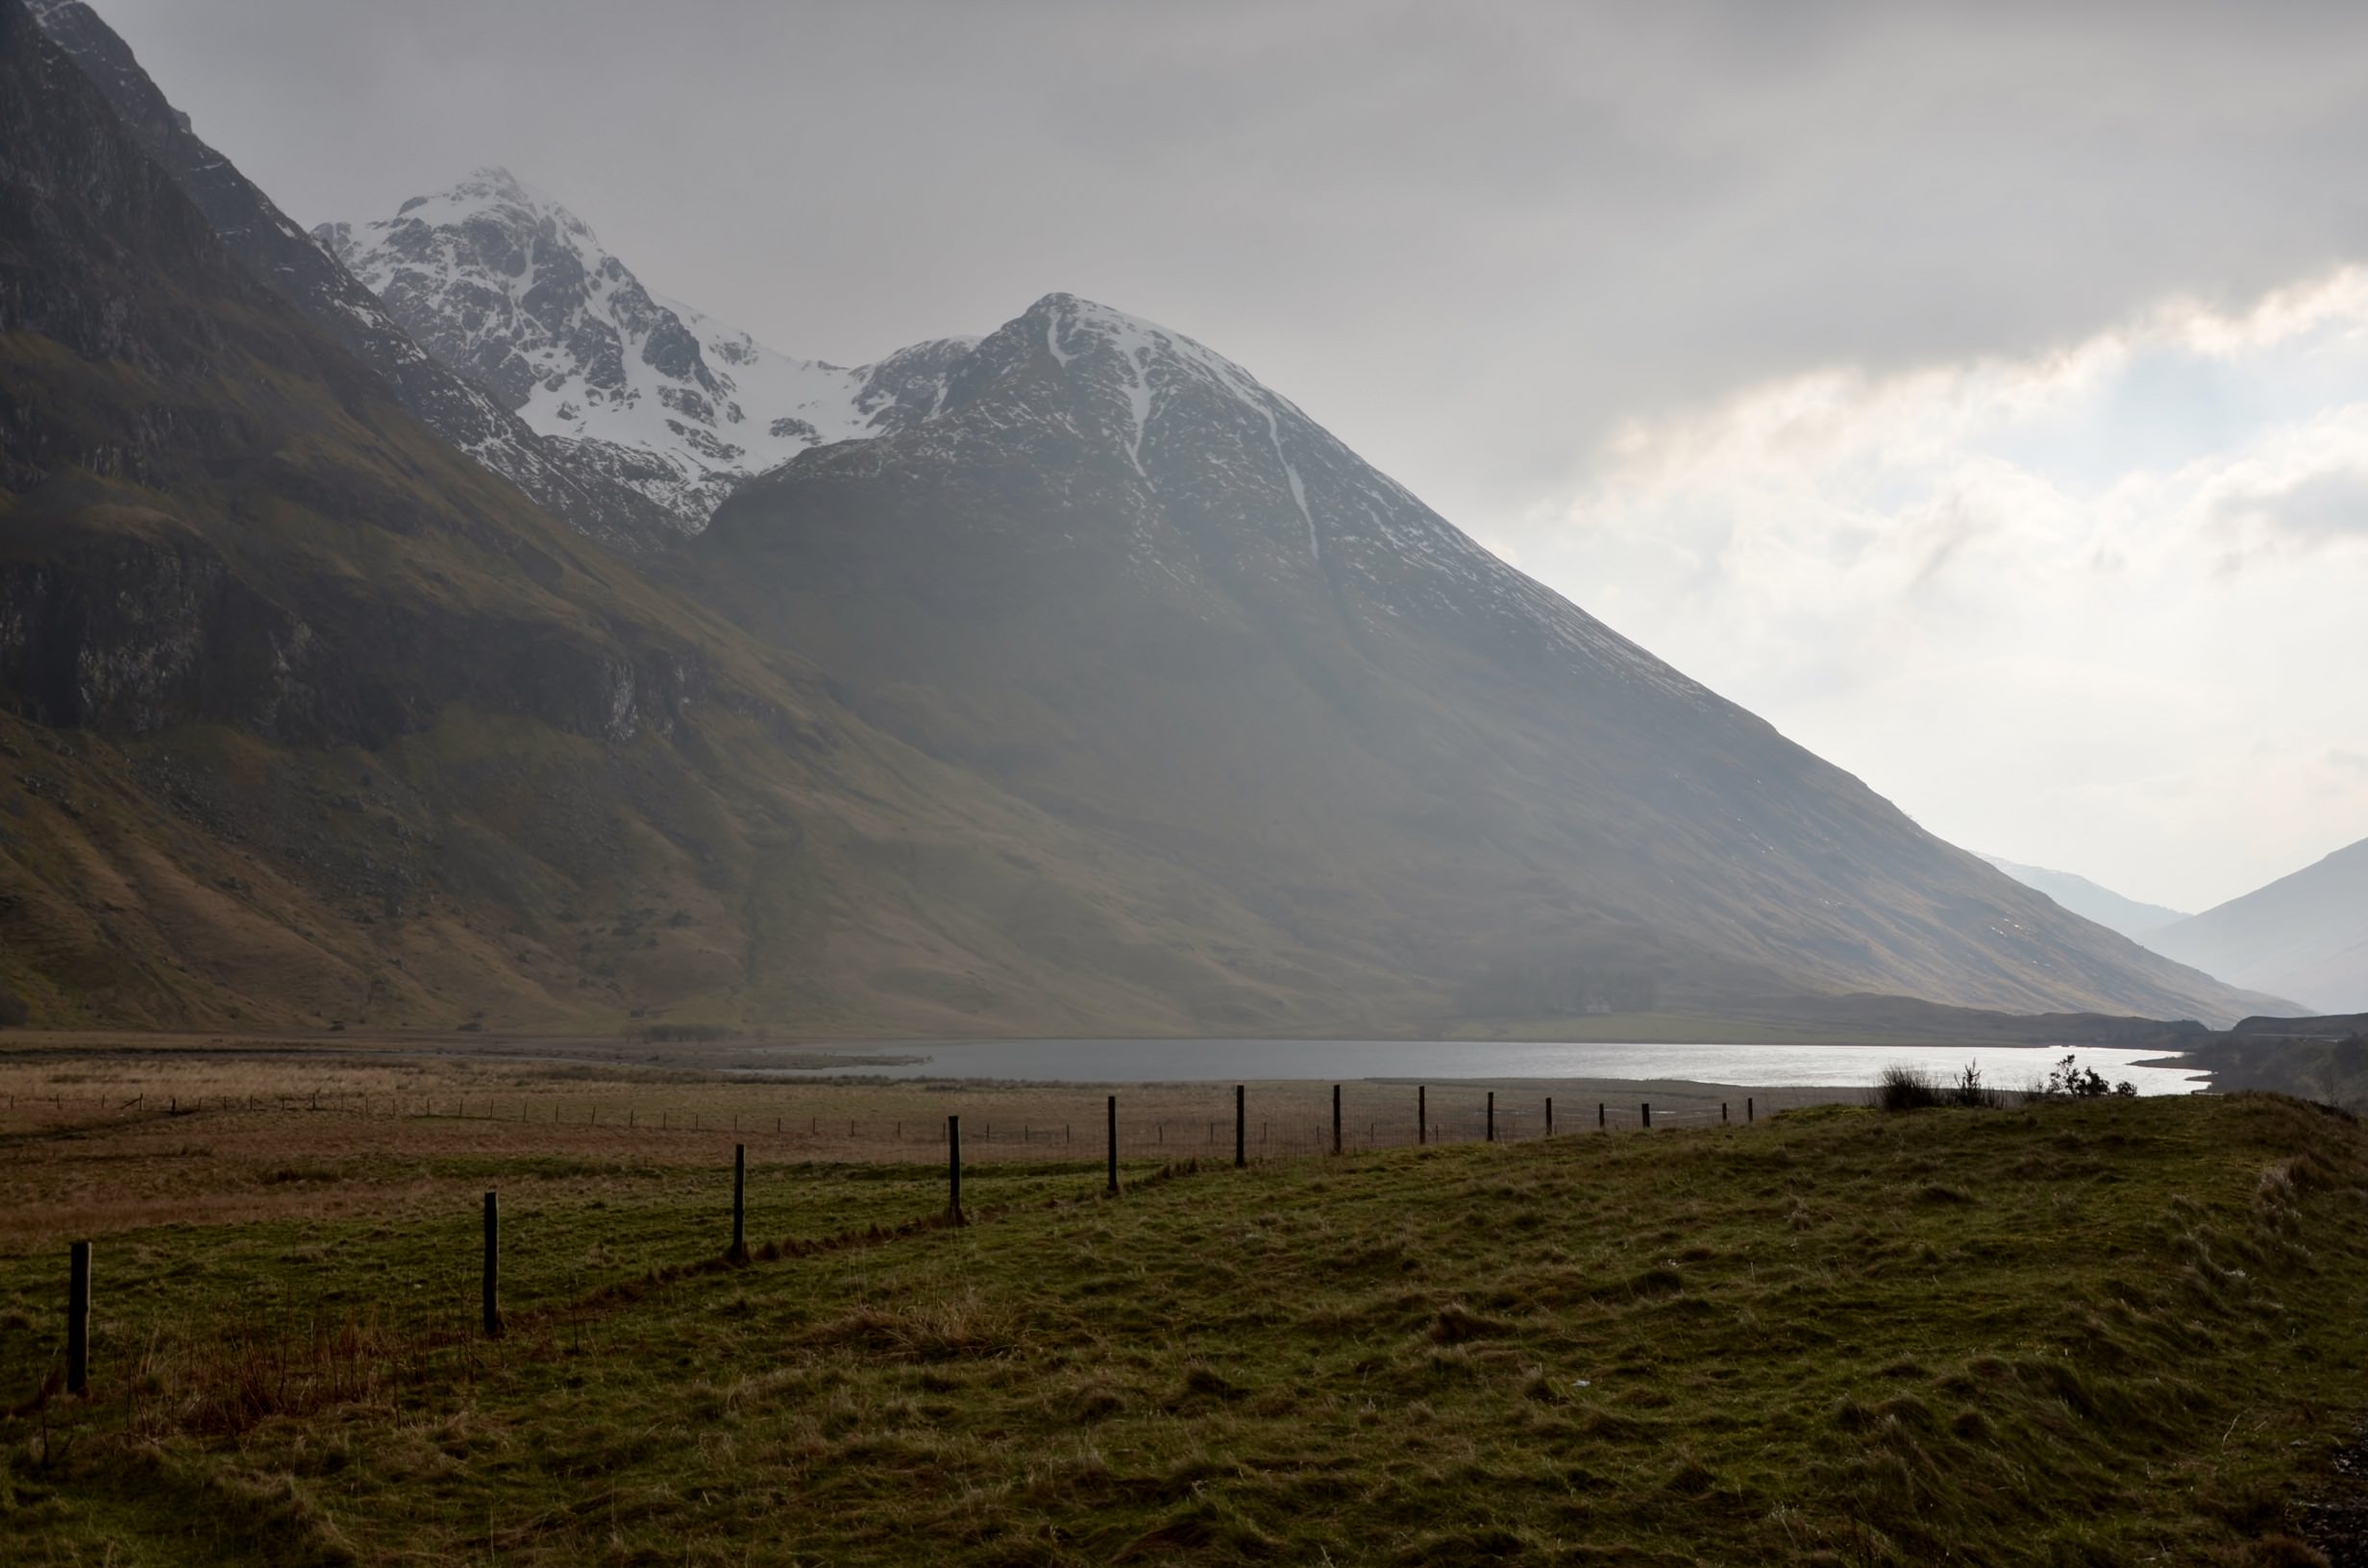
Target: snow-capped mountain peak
x,y
1192,459
518,293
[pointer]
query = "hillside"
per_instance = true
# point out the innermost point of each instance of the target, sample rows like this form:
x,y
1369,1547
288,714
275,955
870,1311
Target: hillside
x,y
1099,692
2091,900
309,718
2107,1333
1117,577
2304,935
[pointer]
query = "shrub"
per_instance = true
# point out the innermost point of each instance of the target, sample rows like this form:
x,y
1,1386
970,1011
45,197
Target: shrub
x,y
2067,1079
1907,1089
1971,1092
12,1010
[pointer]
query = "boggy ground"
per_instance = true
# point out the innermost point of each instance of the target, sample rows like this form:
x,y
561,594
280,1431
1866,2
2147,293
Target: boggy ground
x,y
2119,1332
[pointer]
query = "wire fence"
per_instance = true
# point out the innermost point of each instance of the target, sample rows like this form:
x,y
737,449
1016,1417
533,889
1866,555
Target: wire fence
x,y
918,1165
1427,1116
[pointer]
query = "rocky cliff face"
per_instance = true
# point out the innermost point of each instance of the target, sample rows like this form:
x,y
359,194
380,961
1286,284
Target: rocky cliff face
x,y
276,253
517,293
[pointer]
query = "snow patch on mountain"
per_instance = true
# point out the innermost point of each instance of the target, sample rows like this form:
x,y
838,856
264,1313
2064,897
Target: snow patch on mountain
x,y
518,293
1190,420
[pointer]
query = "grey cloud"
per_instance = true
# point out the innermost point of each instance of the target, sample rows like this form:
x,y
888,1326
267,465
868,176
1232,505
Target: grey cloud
x,y
1469,238
2327,505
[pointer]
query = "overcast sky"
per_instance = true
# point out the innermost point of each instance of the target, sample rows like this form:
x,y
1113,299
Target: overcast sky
x,y
1978,392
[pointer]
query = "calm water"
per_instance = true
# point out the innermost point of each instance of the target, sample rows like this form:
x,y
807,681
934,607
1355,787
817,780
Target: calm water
x,y
1230,1060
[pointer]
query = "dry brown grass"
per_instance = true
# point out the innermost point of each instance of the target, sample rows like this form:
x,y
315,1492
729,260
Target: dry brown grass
x,y
103,1133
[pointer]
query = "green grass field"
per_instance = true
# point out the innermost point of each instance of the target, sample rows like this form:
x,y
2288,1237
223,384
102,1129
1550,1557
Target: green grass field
x,y
2106,1332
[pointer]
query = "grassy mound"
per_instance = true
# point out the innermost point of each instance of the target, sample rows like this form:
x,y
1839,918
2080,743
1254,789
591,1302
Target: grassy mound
x,y
2112,1332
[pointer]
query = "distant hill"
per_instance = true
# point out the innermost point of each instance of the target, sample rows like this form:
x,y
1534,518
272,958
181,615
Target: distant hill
x,y
2090,901
2304,936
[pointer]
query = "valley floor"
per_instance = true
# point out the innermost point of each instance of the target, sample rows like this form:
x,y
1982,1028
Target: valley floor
x,y
2111,1332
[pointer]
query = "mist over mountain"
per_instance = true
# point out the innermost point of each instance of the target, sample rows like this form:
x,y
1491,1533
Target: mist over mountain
x,y
517,293
2091,901
1118,576
1083,684
306,717
2304,936
279,255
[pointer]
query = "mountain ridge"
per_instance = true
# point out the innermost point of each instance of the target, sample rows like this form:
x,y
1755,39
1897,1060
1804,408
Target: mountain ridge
x,y
1126,583
2303,935
513,290
2092,900
283,258
1105,692
306,717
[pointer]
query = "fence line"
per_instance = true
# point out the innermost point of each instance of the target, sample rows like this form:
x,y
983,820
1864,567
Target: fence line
x,y
1265,1138
1291,1135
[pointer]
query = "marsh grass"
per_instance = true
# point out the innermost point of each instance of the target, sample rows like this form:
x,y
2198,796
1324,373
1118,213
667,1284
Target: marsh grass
x,y
2109,1332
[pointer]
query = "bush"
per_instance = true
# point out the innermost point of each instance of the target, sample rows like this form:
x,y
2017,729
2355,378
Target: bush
x,y
1907,1089
12,1010
2067,1079
1912,1089
1971,1092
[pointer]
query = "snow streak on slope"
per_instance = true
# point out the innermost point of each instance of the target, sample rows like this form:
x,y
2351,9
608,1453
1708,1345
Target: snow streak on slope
x,y
1188,420
519,293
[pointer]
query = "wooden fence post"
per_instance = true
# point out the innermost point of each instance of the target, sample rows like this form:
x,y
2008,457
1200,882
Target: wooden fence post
x,y
739,1253
78,1318
1114,1145
953,1170
493,1267
1549,1116
1241,1128
1722,1111
1649,1116
1422,1114
1336,1118
1748,1117
1491,1115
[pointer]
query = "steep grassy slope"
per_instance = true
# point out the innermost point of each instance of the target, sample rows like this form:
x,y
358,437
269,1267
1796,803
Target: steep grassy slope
x,y
2091,901
2106,1333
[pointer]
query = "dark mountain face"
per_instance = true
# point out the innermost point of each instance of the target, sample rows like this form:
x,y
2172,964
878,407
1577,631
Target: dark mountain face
x,y
1116,575
260,238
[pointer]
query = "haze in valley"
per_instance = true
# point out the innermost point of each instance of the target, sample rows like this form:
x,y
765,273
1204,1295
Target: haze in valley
x,y
1975,393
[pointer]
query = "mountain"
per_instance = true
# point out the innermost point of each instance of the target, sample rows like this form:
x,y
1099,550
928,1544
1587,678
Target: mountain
x,y
2091,901
278,253
308,718
1113,575
1097,691
2304,936
518,294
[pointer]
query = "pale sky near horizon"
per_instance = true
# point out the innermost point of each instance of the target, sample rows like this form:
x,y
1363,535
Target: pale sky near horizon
x,y
1977,392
